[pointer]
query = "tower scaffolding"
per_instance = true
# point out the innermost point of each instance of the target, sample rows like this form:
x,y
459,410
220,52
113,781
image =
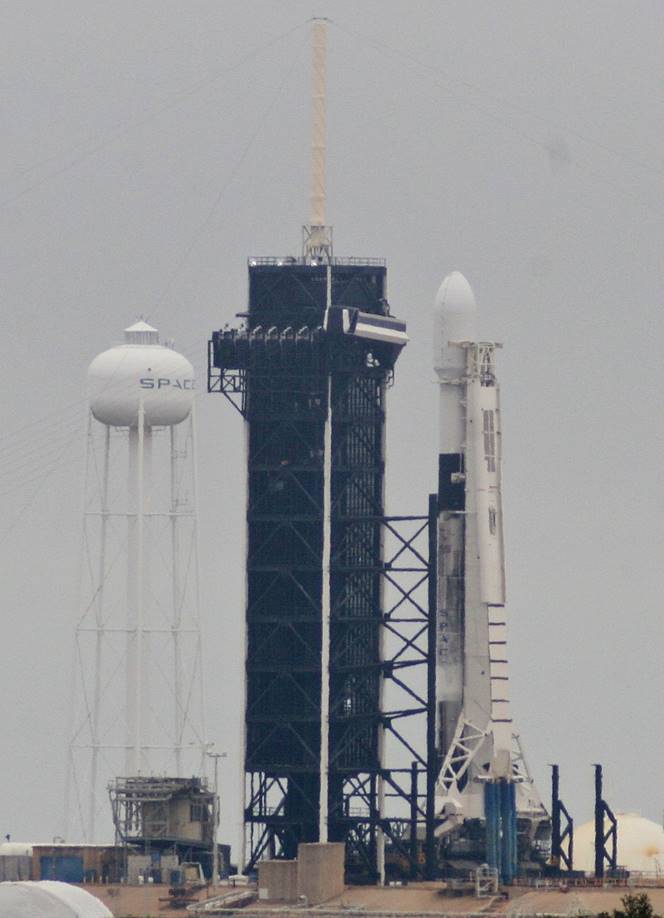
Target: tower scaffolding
x,y
314,403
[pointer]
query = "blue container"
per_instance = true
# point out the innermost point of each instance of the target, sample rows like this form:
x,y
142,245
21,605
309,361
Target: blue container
x,y
67,869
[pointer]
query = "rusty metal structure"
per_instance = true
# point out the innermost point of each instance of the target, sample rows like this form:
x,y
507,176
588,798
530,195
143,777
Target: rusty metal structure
x,y
164,814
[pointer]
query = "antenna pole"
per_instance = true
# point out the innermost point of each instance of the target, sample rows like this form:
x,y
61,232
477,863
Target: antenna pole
x,y
318,236
319,123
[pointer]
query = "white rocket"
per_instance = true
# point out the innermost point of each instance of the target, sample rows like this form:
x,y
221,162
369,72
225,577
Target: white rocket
x,y
476,739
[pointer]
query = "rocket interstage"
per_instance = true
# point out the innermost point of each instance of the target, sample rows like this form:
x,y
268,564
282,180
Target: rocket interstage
x,y
484,779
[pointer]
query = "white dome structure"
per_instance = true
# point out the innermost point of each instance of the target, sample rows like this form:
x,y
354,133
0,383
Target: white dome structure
x,y
141,371
49,899
640,845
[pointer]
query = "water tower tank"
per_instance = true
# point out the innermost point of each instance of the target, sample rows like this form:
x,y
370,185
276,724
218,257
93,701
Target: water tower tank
x,y
140,369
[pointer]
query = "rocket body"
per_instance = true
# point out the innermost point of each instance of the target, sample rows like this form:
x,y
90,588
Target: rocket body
x,y
455,320
476,741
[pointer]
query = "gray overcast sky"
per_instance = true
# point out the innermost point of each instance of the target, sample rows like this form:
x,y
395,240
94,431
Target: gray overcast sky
x,y
149,147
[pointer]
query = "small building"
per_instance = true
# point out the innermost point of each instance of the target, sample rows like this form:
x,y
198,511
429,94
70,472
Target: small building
x,y
59,861
158,815
76,863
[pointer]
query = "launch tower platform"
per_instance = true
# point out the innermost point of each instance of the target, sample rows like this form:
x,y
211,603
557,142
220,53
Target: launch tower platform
x,y
308,370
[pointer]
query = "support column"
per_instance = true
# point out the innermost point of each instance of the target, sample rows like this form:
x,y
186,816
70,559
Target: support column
x,y
599,824
131,764
556,844
325,624
177,604
432,751
99,635
135,599
413,820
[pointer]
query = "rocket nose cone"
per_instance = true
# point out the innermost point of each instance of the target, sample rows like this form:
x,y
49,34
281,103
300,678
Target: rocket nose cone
x,y
455,295
454,320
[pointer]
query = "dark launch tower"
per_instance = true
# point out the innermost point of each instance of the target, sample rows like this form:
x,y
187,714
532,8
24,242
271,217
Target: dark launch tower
x,y
340,609
308,371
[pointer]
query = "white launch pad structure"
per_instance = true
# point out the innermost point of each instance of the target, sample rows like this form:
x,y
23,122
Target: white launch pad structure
x,y
137,706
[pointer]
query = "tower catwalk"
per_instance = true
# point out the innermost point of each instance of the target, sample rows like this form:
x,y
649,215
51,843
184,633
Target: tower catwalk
x,y
311,365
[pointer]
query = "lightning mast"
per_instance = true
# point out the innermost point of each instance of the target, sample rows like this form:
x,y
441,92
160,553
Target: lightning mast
x,y
317,236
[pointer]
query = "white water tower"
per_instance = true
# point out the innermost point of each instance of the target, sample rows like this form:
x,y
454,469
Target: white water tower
x,y
138,700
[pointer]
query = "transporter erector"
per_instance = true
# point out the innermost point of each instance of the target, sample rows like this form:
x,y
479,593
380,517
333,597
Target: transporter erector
x,y
487,805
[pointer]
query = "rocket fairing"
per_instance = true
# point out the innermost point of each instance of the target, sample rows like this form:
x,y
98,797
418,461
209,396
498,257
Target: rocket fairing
x,y
476,739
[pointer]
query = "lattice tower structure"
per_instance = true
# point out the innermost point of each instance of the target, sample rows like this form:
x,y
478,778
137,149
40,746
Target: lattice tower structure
x,y
315,411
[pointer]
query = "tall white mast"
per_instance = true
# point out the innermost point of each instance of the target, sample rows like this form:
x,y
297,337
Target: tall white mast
x,y
318,236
